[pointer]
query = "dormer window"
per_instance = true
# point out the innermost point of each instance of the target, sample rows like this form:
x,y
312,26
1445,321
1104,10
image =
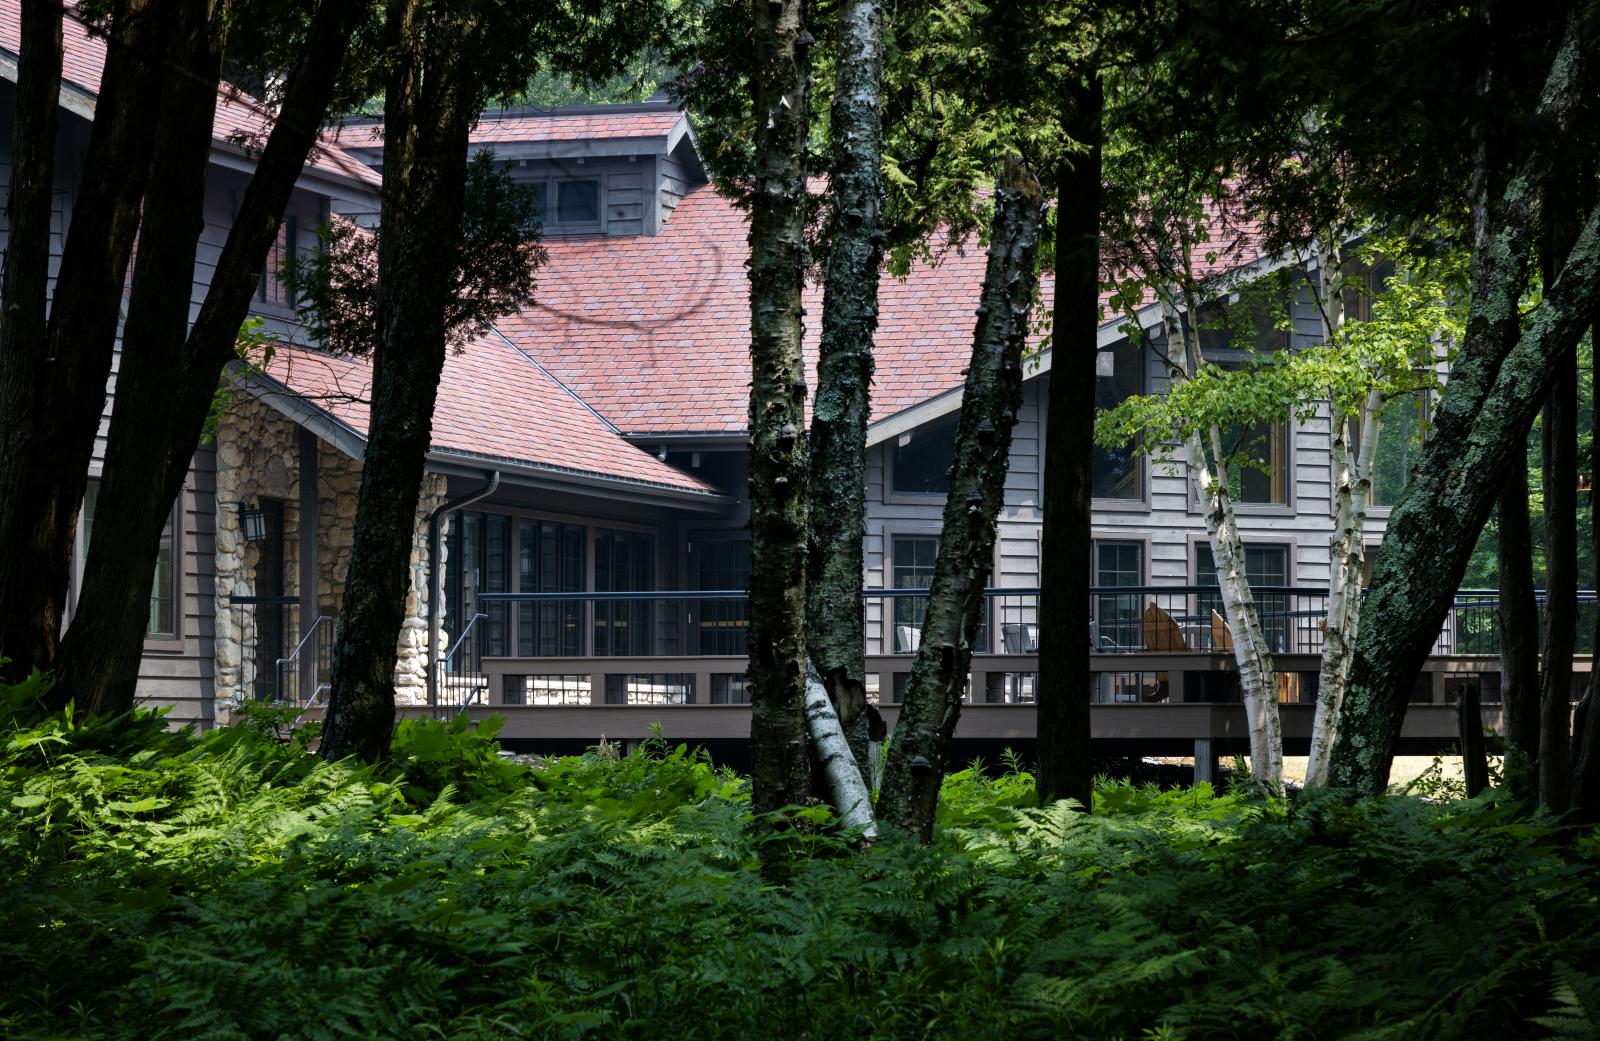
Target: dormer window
x,y
570,205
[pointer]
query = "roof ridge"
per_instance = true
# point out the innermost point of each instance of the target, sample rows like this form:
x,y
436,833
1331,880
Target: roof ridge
x,y
552,378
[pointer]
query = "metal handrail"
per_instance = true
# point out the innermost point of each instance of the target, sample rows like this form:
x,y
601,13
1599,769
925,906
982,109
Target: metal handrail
x,y
312,632
450,655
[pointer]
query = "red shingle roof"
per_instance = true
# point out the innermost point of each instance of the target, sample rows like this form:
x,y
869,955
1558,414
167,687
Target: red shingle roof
x,y
239,118
535,127
653,331
492,402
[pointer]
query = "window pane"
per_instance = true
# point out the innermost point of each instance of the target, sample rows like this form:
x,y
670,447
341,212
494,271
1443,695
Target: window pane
x,y
911,568
577,202
920,463
163,618
722,562
550,560
496,579
1117,616
1258,462
1119,376
1264,566
624,562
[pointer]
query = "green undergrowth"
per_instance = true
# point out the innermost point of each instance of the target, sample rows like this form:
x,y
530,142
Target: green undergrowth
x,y
163,885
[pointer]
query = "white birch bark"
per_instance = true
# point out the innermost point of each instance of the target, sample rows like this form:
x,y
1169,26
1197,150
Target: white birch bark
x,y
1353,491
1250,650
851,797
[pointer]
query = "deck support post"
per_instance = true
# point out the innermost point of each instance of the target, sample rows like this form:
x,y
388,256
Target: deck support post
x,y
1205,761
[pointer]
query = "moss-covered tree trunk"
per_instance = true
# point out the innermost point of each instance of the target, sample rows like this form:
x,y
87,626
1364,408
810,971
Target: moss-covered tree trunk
x,y
167,382
778,460
52,386
920,753
429,106
835,615
1501,376
1066,768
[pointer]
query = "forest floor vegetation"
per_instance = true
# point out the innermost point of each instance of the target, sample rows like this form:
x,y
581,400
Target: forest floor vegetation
x,y
166,885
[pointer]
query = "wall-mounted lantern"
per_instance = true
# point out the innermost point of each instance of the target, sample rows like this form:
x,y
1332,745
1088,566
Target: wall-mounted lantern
x,y
253,521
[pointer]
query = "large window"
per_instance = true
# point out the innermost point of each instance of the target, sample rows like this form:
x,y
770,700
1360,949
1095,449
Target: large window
x,y
1264,567
1117,619
922,458
478,560
1257,457
162,621
911,567
550,559
624,561
1119,375
722,562
912,559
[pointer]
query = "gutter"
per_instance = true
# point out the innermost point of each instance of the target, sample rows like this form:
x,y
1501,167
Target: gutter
x,y
436,573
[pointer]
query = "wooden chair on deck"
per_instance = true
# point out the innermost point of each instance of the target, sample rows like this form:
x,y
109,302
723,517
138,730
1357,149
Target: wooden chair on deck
x,y
1161,633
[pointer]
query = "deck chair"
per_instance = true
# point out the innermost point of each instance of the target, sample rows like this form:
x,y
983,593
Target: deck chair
x,y
1161,633
907,639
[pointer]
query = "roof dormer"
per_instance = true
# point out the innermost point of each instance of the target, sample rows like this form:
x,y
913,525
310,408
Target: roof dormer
x,y
608,170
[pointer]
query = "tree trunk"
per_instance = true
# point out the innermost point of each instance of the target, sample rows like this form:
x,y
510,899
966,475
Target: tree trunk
x,y
1561,583
1495,387
429,107
1066,766
835,614
1473,764
1564,201
53,387
778,464
846,785
23,303
920,752
1519,633
166,384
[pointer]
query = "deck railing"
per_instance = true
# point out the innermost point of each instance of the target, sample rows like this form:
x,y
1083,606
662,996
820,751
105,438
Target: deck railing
x,y
1150,643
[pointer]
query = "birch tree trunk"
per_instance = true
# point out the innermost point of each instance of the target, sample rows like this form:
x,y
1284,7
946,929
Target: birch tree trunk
x,y
920,752
835,612
429,105
778,460
1335,647
1066,769
166,386
1500,376
52,388
846,786
1251,652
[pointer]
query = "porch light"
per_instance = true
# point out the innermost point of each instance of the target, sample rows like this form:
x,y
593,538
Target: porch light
x,y
253,520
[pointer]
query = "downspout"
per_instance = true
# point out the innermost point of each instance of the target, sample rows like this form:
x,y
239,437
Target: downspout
x,y
436,574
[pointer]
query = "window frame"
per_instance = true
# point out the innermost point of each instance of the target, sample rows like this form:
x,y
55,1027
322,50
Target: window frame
x,y
153,643
1142,503
886,621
